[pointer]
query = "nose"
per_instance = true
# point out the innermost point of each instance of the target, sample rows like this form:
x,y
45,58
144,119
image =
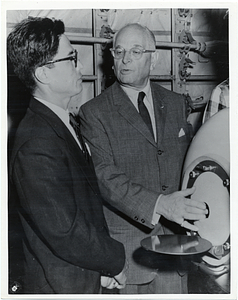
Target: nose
x,y
126,57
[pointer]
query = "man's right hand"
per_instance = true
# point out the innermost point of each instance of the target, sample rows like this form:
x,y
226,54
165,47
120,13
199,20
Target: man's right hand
x,y
177,208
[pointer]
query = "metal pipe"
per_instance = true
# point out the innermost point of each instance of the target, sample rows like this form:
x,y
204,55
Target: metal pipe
x,y
74,37
162,77
175,45
202,78
89,77
165,77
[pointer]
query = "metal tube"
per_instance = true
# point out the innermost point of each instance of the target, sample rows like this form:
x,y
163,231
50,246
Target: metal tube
x,y
175,45
74,37
89,77
210,78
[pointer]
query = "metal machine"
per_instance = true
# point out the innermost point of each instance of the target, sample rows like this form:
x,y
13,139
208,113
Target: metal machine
x,y
207,167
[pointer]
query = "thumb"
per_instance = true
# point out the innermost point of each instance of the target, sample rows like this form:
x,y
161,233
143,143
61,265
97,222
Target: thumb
x,y
188,191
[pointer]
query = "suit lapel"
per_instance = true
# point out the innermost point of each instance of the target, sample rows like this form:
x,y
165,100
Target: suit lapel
x,y
127,110
62,131
81,162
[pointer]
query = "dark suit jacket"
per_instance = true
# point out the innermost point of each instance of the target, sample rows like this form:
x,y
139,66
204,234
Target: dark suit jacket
x,y
67,244
132,168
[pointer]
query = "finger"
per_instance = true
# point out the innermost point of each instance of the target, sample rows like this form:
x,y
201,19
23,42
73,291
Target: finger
x,y
114,284
188,192
121,282
194,217
121,286
105,281
190,245
194,203
189,226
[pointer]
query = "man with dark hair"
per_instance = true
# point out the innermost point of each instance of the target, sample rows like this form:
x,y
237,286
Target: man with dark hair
x,y
67,246
138,135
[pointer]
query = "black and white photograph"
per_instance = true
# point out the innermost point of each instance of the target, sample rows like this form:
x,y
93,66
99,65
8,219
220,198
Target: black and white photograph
x,y
118,150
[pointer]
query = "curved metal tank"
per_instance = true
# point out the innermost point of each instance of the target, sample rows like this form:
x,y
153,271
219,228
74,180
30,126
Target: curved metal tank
x,y
207,167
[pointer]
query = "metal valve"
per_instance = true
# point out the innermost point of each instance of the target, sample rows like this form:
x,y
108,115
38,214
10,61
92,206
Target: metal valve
x,y
194,174
226,182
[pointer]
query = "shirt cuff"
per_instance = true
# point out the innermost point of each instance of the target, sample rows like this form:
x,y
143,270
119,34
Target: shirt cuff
x,y
156,216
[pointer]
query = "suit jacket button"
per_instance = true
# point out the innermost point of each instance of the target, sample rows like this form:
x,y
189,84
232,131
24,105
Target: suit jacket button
x,y
136,218
142,221
164,187
160,152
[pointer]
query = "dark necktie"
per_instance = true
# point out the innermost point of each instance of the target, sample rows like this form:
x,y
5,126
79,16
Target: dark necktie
x,y
74,123
144,111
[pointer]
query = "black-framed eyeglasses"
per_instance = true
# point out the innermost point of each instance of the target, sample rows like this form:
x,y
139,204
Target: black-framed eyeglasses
x,y
73,56
135,52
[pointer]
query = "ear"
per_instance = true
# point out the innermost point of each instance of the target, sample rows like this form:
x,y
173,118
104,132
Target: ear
x,y
42,74
154,59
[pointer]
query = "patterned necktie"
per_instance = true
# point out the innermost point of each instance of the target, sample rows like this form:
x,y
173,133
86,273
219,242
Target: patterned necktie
x,y
74,123
144,111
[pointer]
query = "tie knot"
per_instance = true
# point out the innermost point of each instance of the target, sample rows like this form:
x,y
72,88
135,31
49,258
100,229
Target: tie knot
x,y
141,96
73,120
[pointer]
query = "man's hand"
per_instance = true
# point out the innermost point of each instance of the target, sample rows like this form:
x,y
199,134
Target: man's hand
x,y
118,281
108,282
121,277
177,208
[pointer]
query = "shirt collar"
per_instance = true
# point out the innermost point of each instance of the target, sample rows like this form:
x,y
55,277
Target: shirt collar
x,y
133,94
59,111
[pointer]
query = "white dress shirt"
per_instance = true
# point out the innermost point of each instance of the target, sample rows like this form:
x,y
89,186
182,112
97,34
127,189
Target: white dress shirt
x,y
148,101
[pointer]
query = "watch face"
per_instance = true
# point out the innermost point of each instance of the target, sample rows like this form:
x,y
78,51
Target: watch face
x,y
176,244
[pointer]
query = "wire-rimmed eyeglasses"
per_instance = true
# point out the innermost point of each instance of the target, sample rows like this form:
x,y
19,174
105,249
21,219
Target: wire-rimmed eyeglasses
x,y
73,56
135,52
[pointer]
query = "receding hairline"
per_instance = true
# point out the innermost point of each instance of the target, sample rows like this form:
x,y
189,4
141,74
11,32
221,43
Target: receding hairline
x,y
149,34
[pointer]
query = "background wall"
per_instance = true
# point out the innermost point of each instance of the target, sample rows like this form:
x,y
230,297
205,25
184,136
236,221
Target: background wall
x,y
184,71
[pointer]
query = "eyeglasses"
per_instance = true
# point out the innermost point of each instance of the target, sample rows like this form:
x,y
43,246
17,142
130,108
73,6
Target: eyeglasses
x,y
73,56
135,52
